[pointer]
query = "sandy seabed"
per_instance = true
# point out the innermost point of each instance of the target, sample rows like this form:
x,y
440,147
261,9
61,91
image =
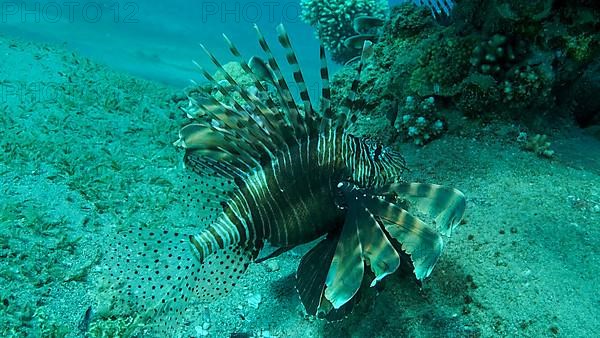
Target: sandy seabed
x,y
86,151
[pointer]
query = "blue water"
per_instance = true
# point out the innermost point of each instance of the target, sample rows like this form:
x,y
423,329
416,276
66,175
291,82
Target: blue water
x,y
158,40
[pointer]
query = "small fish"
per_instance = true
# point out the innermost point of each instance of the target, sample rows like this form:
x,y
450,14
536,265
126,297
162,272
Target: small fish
x,y
366,24
261,69
279,175
357,41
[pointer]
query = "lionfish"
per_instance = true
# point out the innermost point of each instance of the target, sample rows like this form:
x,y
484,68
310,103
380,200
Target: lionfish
x,y
269,171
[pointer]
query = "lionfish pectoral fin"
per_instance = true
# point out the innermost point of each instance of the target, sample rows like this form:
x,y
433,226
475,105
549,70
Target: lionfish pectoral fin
x,y
377,250
346,271
446,205
311,275
423,244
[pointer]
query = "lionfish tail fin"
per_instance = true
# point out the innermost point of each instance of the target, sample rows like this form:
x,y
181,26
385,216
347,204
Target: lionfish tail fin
x,y
141,284
155,278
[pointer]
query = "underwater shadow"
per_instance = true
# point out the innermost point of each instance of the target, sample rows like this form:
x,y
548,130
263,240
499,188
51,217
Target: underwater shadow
x,y
399,307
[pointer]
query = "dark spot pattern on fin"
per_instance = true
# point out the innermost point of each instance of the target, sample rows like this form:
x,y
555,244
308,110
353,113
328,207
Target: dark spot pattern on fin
x,y
221,271
265,172
144,276
154,277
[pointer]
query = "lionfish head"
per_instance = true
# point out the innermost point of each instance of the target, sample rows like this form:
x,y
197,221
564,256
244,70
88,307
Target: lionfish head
x,y
374,164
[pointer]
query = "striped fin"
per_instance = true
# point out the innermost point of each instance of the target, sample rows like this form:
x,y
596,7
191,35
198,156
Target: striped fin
x,y
347,114
261,70
239,122
258,131
283,88
446,205
375,247
325,90
311,277
237,109
328,117
377,250
240,118
205,142
346,271
292,60
423,244
278,122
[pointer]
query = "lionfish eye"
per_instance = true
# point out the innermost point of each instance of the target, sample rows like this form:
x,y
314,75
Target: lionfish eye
x,y
378,152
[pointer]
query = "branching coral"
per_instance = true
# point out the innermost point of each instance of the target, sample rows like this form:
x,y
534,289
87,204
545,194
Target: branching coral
x,y
419,121
497,54
333,19
537,144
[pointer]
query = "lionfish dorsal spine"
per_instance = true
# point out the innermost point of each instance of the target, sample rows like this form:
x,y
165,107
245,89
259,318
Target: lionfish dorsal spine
x,y
282,87
273,116
292,60
325,89
253,104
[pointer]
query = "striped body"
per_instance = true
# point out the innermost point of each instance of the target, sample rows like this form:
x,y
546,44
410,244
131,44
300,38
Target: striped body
x,y
292,199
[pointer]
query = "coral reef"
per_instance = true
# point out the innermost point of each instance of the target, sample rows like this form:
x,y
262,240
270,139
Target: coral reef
x,y
501,59
538,144
584,98
333,20
419,121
